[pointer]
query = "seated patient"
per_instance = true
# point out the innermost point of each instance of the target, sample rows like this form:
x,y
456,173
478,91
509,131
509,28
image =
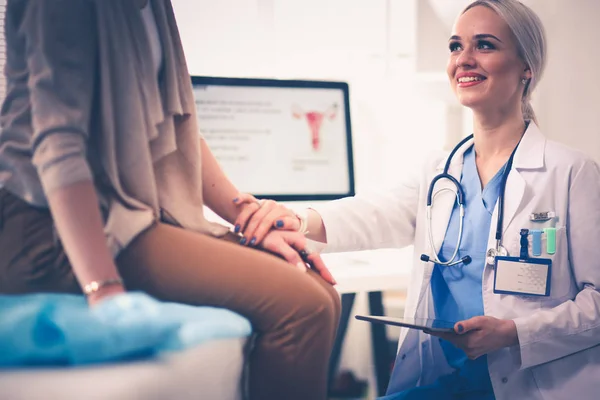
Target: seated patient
x,y
103,179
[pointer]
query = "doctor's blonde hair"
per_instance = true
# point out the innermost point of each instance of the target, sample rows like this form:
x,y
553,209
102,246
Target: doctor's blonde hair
x,y
531,42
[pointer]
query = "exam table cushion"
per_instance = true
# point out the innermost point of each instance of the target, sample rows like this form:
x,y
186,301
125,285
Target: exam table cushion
x,y
212,370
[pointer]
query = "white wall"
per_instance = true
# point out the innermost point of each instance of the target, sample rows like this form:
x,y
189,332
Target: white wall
x,y
392,52
568,98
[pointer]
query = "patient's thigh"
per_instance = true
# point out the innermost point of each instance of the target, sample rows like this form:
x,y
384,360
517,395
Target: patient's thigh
x,y
173,264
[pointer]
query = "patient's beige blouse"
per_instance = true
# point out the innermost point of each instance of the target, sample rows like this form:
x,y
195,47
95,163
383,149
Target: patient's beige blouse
x,y
83,103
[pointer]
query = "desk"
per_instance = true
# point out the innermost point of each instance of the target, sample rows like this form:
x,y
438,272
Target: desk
x,y
372,272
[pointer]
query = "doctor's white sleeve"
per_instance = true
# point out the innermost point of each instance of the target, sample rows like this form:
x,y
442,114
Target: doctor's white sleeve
x,y
373,220
574,325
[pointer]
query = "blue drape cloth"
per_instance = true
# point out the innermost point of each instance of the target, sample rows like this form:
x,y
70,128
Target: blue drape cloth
x,y
60,329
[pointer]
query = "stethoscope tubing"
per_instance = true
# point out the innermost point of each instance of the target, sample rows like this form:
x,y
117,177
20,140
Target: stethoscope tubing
x,y
460,198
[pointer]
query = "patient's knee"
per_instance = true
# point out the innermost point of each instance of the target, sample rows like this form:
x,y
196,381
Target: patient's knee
x,y
320,308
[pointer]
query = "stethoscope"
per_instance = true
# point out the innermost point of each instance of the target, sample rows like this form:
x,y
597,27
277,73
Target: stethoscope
x,y
492,253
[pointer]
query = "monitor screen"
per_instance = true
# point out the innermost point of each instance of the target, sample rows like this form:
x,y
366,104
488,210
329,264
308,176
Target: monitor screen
x,y
280,139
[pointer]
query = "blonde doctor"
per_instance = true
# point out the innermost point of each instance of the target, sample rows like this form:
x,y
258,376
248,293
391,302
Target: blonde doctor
x,y
507,241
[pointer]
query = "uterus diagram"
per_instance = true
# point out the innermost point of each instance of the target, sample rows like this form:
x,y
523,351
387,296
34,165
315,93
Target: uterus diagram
x,y
315,121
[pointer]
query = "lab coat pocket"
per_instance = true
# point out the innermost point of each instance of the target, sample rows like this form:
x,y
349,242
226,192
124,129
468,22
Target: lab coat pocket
x,y
561,281
571,377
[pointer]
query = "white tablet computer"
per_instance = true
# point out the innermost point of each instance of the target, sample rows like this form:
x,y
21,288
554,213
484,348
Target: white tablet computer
x,y
424,324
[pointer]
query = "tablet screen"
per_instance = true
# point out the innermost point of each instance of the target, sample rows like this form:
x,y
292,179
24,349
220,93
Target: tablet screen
x,y
434,325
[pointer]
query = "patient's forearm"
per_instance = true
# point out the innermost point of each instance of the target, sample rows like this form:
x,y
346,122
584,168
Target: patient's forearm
x,y
217,189
77,218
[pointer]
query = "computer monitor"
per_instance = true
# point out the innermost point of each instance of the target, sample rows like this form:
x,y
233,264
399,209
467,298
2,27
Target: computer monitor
x,y
287,140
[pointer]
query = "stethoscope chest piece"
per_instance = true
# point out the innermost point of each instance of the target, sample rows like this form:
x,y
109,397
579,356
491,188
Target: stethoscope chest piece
x,y
491,255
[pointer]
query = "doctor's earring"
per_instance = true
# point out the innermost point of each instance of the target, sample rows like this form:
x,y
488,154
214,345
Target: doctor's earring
x,y
524,81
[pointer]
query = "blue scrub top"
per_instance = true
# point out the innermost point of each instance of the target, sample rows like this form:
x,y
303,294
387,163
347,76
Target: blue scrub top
x,y
457,289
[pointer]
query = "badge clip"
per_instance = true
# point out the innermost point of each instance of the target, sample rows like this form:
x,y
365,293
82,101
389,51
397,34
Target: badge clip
x,y
524,254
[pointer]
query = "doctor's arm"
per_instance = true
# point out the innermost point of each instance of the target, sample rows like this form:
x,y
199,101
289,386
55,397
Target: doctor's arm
x,y
370,220
574,325
271,214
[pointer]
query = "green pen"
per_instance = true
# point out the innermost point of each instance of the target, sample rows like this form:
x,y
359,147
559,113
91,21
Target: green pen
x,y
550,240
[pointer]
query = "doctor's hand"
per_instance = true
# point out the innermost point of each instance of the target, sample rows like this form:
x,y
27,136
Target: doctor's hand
x,y
256,218
482,335
295,249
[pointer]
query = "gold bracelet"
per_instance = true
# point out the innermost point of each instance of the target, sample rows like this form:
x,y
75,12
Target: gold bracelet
x,y
95,286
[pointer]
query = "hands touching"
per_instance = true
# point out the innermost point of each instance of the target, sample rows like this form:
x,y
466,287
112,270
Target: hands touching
x,y
481,335
293,247
274,227
256,218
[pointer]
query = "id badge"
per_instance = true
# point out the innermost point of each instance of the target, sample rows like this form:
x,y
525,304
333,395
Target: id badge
x,y
524,277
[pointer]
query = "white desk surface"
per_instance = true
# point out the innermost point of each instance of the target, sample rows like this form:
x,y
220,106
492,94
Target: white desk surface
x,y
368,271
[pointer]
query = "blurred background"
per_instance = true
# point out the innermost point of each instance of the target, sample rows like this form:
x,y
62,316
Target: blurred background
x,y
393,55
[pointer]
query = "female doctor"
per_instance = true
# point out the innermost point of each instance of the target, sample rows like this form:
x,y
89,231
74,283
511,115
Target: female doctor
x,y
528,324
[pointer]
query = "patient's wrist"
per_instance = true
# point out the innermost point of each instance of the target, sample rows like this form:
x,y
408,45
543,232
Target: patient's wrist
x,y
97,285
104,293
96,290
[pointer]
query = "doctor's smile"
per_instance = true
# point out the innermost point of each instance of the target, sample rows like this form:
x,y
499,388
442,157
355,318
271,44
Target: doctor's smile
x,y
467,79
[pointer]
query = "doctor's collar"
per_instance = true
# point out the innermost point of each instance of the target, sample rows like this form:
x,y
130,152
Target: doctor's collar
x,y
529,154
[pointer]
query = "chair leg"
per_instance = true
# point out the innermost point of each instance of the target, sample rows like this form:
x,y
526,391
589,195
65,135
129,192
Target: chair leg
x,y
347,303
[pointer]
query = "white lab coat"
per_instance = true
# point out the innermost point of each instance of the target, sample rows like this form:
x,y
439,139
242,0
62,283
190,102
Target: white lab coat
x,y
558,356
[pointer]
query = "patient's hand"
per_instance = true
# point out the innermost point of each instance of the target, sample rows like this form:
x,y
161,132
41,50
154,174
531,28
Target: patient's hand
x,y
292,246
256,218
